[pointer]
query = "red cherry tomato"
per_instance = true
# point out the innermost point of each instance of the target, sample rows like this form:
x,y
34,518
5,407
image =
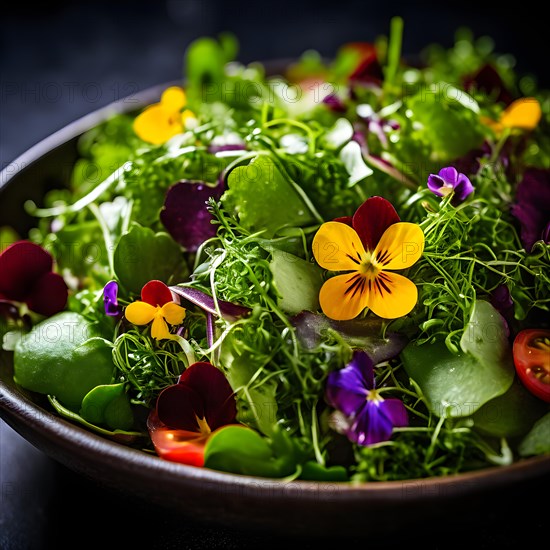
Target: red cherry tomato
x,y
532,360
176,445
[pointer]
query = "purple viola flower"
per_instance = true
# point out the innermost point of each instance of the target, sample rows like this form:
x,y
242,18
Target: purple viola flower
x,y
369,417
376,124
449,180
532,207
110,299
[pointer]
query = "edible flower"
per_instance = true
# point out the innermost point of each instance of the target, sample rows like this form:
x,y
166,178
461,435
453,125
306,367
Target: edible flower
x,y
522,114
188,412
161,121
488,81
532,206
448,181
110,299
368,246
26,276
368,418
156,306
367,68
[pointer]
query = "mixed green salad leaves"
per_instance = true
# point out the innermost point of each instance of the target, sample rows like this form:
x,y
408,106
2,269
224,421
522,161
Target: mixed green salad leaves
x,y
334,270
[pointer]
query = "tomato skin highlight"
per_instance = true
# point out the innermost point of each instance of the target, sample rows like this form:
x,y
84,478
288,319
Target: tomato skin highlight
x,y
180,446
532,361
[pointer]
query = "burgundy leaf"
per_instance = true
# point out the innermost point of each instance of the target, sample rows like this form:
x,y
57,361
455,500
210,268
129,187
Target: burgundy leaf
x,y
185,215
229,311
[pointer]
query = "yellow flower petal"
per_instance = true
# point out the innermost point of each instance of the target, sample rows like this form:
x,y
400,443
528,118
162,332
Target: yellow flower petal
x,y
140,313
173,98
523,113
392,296
157,125
344,297
159,329
496,126
337,247
187,115
173,313
400,247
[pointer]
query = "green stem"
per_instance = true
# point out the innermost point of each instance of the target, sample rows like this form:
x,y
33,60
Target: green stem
x,y
93,195
109,244
394,53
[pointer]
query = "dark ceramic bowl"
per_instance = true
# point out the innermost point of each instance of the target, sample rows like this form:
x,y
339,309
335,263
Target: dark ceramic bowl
x,y
285,507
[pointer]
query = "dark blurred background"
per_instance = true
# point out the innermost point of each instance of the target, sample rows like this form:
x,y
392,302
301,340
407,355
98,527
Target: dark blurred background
x,y
64,59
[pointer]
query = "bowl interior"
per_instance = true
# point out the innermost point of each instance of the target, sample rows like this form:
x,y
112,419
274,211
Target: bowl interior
x,y
322,508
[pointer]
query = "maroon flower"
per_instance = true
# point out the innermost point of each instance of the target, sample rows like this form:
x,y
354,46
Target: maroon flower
x,y
368,69
26,276
188,412
201,401
488,81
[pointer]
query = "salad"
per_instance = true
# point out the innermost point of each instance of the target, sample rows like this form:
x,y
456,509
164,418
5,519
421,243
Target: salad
x,y
339,270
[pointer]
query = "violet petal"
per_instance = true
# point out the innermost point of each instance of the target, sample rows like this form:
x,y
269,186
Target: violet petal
x,y
449,174
185,215
435,183
213,149
347,388
229,311
334,103
463,188
110,299
370,426
395,411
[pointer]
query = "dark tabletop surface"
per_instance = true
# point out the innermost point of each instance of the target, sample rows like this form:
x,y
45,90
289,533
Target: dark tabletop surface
x,y
68,59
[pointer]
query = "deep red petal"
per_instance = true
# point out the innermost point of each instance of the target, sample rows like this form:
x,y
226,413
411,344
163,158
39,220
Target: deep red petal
x,y
178,407
372,219
21,265
348,220
217,395
49,295
156,293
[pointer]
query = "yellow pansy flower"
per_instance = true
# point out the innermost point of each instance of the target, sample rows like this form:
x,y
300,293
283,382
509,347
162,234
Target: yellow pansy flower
x,y
369,247
156,306
161,121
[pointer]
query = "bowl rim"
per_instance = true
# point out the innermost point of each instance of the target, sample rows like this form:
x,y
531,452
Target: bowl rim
x,y
17,409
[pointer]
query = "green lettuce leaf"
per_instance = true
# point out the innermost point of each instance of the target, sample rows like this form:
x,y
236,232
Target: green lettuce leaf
x,y
459,384
263,199
143,255
537,441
